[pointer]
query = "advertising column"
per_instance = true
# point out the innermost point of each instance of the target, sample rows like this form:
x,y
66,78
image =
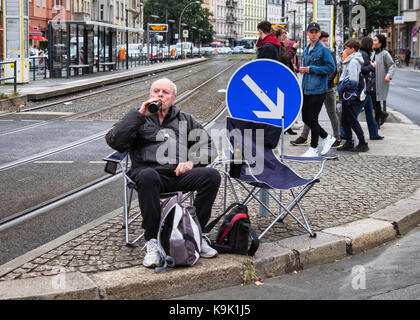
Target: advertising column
x,y
15,38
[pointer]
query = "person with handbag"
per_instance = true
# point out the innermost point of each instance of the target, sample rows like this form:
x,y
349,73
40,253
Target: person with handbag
x,y
368,73
384,71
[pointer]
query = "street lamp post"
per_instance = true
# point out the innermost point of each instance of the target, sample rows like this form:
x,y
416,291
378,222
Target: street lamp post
x,y
294,23
180,19
192,40
306,14
168,35
199,41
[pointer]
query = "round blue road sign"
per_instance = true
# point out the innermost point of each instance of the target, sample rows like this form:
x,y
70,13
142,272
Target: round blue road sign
x,y
262,91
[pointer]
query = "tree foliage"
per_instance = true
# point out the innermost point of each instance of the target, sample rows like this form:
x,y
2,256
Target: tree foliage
x,y
194,15
379,13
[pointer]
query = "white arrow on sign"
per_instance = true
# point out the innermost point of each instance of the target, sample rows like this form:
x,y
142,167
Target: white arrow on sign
x,y
276,111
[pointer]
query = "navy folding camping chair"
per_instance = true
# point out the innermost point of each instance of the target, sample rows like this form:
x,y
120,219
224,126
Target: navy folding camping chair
x,y
252,163
121,160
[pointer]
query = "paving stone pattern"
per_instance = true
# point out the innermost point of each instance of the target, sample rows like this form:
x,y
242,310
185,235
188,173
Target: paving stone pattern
x,y
351,188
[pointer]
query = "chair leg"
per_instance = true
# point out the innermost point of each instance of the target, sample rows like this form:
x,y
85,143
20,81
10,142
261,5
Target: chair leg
x,y
311,234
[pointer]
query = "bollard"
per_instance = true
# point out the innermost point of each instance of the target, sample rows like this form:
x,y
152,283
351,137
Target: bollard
x,y
15,75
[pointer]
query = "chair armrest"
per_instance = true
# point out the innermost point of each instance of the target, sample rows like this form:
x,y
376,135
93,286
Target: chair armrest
x,y
113,160
116,156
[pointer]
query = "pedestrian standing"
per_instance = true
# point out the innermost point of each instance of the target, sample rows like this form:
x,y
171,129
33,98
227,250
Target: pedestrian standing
x,y
269,45
407,57
330,104
367,104
348,86
287,56
317,64
384,71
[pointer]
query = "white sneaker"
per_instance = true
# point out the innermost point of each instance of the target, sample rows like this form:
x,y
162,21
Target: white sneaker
x,y
326,144
311,152
206,250
152,258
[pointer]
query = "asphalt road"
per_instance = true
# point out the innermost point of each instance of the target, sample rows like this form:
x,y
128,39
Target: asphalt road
x,y
404,94
387,272
35,182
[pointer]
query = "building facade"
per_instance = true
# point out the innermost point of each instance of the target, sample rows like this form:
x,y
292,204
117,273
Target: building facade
x,y
410,29
275,12
125,13
227,20
41,11
255,11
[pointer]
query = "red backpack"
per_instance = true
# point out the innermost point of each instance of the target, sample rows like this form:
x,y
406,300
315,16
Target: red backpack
x,y
235,232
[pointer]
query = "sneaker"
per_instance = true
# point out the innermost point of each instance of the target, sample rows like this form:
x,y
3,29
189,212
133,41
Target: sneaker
x,y
206,250
326,144
362,147
346,147
377,138
311,152
291,132
299,142
152,258
337,144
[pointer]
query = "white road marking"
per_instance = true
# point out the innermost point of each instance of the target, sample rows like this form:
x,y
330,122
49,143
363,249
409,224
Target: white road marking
x,y
48,113
97,162
414,89
53,162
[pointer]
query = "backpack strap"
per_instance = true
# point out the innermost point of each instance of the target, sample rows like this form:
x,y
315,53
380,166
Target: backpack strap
x,y
255,242
211,225
230,226
167,207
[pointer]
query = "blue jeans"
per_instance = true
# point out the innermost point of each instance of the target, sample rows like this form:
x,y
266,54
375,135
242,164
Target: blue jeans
x,y
371,122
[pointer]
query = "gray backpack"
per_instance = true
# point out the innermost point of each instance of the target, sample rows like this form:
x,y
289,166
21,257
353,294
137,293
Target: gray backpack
x,y
179,236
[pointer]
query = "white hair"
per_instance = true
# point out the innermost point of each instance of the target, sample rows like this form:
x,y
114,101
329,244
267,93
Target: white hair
x,y
174,88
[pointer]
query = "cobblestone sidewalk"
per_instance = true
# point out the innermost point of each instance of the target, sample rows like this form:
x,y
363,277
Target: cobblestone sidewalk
x,y
351,188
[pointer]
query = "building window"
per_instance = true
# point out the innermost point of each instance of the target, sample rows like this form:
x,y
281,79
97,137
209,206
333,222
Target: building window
x,y
68,5
57,4
410,4
102,12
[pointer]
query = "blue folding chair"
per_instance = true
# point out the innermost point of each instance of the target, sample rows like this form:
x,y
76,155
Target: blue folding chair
x,y
252,163
121,160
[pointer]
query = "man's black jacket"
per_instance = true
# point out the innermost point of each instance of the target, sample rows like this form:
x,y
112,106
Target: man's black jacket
x,y
162,147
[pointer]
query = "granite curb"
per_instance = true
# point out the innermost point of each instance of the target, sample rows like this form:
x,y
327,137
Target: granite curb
x,y
272,259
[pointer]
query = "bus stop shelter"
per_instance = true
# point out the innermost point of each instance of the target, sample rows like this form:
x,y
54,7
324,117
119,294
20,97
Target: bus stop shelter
x,y
86,46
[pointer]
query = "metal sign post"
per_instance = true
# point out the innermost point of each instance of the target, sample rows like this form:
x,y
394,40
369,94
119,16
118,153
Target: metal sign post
x,y
259,91
154,28
339,36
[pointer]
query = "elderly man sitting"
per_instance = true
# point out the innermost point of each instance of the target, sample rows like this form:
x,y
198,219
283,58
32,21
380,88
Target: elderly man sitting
x,y
164,160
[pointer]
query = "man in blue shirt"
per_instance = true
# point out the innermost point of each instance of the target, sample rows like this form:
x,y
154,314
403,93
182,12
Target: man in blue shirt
x,y
317,64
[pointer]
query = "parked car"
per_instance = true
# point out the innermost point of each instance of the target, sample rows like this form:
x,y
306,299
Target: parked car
x,y
238,50
225,50
155,53
134,50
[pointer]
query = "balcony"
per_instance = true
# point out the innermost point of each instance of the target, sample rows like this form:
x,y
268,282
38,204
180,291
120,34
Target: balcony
x,y
231,19
231,3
